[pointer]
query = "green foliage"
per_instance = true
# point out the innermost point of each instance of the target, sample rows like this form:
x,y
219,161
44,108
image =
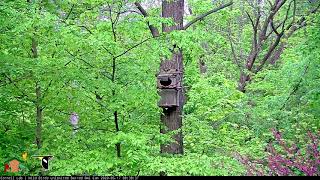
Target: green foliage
x,y
284,96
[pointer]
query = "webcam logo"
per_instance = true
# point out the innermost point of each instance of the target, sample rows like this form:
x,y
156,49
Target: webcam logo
x,y
13,166
44,160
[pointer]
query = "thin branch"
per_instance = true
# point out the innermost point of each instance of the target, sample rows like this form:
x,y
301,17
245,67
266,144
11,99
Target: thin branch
x,y
16,86
270,3
234,53
255,46
110,12
85,27
68,63
287,15
271,31
256,32
74,56
4,83
270,51
71,9
108,76
47,89
125,52
113,23
232,47
153,29
274,29
107,50
206,14
130,11
296,87
118,14
301,22
95,100
250,18
315,9
294,11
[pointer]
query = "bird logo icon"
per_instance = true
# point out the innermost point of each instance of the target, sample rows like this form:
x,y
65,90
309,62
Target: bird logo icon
x,y
44,160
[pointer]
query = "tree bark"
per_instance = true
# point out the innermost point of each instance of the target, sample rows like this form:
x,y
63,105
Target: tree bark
x,y
202,66
115,114
244,78
39,116
39,109
118,146
173,9
172,118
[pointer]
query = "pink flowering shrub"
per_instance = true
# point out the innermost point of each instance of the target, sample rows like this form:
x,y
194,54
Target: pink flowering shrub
x,y
288,160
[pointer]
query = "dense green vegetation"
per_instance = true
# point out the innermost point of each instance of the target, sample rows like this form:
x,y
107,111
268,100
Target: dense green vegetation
x,y
98,57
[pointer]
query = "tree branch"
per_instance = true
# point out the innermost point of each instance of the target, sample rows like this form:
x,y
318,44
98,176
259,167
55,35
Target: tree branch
x,y
154,30
232,48
255,46
75,56
250,18
206,14
315,9
85,27
107,50
20,90
125,52
4,83
287,14
274,10
270,51
274,29
296,87
47,89
70,11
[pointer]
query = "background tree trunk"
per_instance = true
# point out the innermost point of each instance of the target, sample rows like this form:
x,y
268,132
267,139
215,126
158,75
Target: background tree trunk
x,y
39,109
38,116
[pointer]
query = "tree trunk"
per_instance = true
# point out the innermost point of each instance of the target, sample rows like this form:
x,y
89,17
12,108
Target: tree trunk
x,y
244,78
38,116
277,53
172,118
118,146
115,114
173,9
39,109
202,66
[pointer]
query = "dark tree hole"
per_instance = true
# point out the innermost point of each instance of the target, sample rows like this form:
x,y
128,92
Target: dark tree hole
x,y
168,110
166,82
